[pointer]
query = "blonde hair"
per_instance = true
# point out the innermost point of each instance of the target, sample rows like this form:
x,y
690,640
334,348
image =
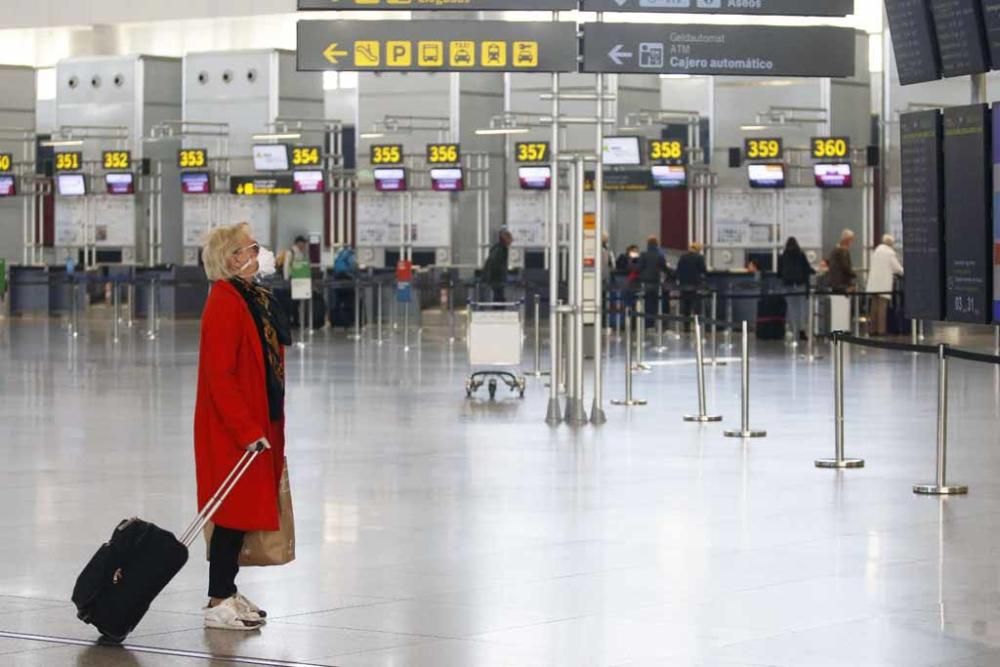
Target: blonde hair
x,y
219,246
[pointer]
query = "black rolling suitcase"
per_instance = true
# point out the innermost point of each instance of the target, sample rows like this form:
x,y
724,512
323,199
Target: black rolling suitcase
x,y
115,589
772,312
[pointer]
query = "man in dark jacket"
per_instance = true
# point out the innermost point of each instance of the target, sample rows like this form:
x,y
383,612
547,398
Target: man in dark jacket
x,y
652,268
842,276
691,272
497,266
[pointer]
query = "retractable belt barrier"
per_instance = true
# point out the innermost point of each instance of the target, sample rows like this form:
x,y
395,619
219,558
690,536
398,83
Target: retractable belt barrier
x,y
943,352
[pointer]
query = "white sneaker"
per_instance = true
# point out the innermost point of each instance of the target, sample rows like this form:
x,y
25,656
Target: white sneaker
x,y
250,607
230,615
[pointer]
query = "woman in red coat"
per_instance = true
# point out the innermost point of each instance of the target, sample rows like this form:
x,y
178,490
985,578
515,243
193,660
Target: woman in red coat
x,y
241,395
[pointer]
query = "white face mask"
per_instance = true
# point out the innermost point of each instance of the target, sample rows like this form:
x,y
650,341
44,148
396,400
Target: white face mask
x,y
266,263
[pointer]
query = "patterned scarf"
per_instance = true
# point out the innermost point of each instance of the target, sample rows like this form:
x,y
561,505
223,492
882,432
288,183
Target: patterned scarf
x,y
275,331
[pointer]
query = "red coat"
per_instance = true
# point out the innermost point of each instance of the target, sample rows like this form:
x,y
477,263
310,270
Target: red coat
x,y
231,412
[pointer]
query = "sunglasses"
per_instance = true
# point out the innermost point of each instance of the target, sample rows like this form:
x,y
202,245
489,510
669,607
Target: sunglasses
x,y
254,249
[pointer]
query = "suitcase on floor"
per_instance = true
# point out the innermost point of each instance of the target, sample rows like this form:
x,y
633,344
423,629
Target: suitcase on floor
x,y
116,588
772,312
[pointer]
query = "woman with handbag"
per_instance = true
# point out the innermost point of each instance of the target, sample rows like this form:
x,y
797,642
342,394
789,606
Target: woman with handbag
x,y
240,403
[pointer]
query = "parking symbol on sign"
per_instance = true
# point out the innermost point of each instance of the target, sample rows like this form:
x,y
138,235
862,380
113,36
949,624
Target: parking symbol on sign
x,y
651,55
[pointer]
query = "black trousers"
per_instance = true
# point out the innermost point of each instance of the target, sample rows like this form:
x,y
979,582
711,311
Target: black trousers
x,y
690,305
224,562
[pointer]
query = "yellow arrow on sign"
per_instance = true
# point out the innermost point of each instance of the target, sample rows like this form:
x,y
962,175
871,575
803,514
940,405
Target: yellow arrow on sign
x,y
332,53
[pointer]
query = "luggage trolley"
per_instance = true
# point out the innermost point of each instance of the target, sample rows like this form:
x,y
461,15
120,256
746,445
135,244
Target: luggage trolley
x,y
495,339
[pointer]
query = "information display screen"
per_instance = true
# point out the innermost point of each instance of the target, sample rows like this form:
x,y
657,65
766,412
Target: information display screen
x,y
535,178
913,41
270,157
8,187
622,151
961,37
669,176
447,180
991,20
833,175
71,185
923,214
308,182
968,178
390,180
120,184
196,183
766,175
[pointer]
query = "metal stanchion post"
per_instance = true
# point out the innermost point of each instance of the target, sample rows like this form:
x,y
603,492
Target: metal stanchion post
x,y
661,346
309,314
855,315
640,334
406,326
356,335
74,314
838,400
452,333
941,487
302,324
996,341
727,340
629,401
151,310
678,324
745,431
920,328
811,354
715,331
116,300
130,295
379,315
538,372
699,351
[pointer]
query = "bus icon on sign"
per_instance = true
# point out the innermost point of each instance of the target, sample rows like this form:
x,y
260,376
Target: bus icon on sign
x,y
710,4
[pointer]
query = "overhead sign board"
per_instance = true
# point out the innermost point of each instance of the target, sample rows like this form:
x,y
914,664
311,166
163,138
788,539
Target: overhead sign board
x,y
748,7
387,154
764,148
444,153
437,46
116,160
667,151
527,152
251,186
192,158
307,156
831,148
718,49
450,5
72,161
913,40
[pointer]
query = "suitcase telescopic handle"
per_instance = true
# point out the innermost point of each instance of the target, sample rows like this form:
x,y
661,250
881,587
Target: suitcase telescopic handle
x,y
227,486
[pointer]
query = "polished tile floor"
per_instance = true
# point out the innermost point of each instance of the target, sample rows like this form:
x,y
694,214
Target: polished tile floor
x,y
435,531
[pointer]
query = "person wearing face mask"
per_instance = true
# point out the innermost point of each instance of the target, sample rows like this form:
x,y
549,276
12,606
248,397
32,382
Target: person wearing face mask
x,y
240,403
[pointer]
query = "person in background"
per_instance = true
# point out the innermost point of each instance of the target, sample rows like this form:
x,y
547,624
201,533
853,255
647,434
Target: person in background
x,y
240,406
795,272
691,272
628,262
885,267
652,269
299,252
842,276
752,267
609,257
498,265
